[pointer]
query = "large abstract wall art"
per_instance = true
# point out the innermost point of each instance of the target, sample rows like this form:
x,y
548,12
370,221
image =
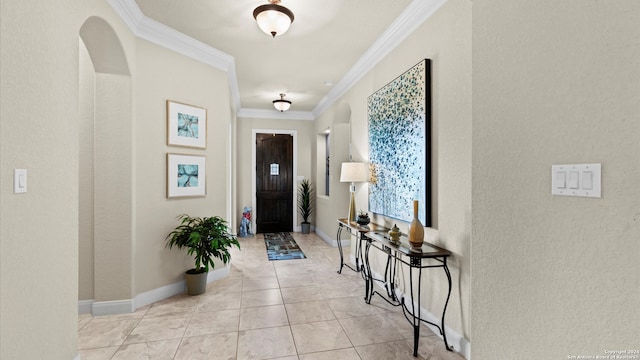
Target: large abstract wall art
x,y
400,145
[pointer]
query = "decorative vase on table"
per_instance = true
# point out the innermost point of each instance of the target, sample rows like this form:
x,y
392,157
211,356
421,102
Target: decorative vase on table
x,y
363,218
394,234
416,230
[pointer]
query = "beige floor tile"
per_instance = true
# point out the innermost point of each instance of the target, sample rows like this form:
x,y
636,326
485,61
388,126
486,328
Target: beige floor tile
x,y
261,298
259,268
432,347
136,315
265,343
329,276
319,336
226,285
403,326
398,350
158,328
218,346
258,258
310,311
293,267
300,294
352,307
342,354
367,330
105,353
105,333
287,310
217,302
429,348
259,283
157,350
263,317
297,280
176,305
83,320
335,290
213,322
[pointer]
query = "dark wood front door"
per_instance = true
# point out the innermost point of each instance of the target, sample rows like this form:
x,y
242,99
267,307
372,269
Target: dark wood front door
x,y
274,182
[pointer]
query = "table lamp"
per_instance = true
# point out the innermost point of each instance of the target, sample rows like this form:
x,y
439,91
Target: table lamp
x,y
353,172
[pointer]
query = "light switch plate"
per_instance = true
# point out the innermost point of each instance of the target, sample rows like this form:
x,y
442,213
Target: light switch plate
x,y
19,181
582,180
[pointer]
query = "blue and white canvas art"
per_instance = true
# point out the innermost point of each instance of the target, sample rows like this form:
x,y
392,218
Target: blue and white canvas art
x,y
400,146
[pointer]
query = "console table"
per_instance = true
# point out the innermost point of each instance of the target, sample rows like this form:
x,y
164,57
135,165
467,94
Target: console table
x,y
429,256
359,232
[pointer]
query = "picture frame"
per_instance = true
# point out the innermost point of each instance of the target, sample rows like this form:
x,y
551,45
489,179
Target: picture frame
x,y
186,175
399,120
186,125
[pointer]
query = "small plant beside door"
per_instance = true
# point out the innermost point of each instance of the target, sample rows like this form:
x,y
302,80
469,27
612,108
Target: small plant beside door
x,y
305,204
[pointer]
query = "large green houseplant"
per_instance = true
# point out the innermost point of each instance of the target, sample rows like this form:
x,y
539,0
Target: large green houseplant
x,y
305,204
205,238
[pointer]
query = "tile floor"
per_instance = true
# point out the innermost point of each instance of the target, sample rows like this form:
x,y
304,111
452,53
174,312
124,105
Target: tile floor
x,y
286,309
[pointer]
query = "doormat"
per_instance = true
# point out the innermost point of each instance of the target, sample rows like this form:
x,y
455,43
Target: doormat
x,y
282,246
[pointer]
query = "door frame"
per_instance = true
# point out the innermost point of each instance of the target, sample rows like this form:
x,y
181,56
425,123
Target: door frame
x,y
254,212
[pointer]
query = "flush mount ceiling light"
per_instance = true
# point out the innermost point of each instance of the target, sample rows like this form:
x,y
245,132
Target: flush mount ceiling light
x,y
281,104
272,18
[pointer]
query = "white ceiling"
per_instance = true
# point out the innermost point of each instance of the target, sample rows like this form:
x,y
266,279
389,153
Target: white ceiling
x,y
330,42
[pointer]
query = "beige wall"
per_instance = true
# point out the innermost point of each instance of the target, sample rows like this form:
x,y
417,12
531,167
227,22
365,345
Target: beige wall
x,y
39,132
305,150
336,205
555,82
41,89
86,175
133,236
445,39
163,74
106,140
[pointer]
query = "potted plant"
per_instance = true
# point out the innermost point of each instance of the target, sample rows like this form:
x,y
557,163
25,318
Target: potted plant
x,y
305,204
205,238
363,218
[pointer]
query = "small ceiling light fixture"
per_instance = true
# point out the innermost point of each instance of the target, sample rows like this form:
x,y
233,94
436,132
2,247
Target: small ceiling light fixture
x,y
281,104
272,18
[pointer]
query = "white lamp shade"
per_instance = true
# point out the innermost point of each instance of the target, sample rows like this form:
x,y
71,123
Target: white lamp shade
x,y
273,19
354,172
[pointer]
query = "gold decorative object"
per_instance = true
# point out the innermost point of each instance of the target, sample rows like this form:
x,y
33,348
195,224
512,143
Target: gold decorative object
x,y
416,230
394,234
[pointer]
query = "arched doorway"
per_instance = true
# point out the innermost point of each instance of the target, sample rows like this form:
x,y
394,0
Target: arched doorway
x,y
106,161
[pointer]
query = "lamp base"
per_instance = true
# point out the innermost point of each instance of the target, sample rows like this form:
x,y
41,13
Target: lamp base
x,y
352,208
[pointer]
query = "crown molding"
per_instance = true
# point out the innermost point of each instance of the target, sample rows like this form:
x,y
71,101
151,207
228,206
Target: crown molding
x,y
160,34
274,114
413,16
128,11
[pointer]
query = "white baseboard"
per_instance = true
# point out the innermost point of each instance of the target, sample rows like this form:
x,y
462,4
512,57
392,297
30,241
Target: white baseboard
x,y
161,293
454,339
84,306
299,228
143,299
112,307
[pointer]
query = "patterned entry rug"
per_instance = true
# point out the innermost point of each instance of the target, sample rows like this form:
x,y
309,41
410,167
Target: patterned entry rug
x,y
282,246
